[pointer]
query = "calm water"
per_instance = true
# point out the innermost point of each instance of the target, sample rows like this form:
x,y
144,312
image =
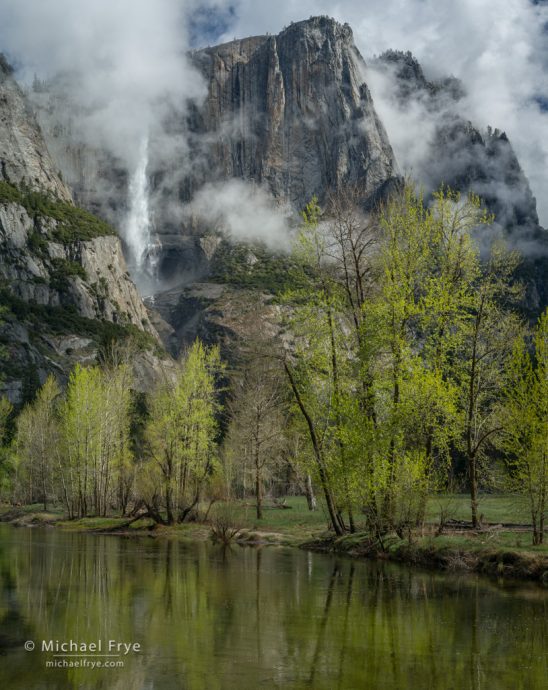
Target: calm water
x,y
272,618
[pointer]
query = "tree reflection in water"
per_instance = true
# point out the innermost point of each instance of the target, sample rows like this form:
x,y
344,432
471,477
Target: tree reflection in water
x,y
248,618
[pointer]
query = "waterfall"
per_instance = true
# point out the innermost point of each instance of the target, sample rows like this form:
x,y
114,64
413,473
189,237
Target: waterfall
x,y
142,250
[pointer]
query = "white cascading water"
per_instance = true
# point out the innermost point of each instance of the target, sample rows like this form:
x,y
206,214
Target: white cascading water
x,y
142,251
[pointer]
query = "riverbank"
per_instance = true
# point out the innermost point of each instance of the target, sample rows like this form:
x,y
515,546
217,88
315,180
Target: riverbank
x,y
501,549
474,553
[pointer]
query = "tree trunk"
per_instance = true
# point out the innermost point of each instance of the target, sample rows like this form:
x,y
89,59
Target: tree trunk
x,y
331,508
258,494
471,447
472,469
309,489
542,506
335,369
351,520
169,507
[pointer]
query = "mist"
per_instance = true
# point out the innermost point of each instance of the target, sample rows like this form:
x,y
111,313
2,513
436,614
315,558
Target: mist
x,y
109,76
124,70
243,211
498,48
124,63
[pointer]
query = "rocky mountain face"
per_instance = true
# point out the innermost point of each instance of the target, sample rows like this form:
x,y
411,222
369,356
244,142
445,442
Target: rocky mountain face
x,y
460,155
293,115
97,180
465,158
292,112
288,113
64,286
24,159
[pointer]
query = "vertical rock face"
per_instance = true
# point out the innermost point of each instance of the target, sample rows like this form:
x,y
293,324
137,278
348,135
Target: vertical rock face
x,y
24,158
459,155
292,112
64,286
464,158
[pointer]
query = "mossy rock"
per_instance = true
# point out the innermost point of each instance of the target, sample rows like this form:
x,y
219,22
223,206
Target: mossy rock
x,y
73,223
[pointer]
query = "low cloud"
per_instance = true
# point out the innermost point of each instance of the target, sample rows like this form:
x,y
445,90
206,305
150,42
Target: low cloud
x,y
498,48
122,65
244,211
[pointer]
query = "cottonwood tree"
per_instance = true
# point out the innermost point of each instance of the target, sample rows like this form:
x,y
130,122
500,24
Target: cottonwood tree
x,y
488,334
181,433
318,368
412,353
117,416
37,444
524,422
95,424
258,422
443,317
425,263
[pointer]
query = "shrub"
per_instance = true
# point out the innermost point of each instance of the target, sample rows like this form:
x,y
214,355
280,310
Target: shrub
x,y
270,272
63,269
73,223
224,527
38,243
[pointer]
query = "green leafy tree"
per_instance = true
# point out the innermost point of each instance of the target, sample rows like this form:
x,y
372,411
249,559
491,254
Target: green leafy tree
x,y
95,426
181,434
317,370
37,444
411,332
524,421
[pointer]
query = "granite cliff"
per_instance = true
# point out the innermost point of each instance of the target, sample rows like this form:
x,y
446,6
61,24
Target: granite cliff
x,y
290,111
291,114
465,158
64,286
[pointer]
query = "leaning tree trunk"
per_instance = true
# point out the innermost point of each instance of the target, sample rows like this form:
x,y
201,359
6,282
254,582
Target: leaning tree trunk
x,y
331,506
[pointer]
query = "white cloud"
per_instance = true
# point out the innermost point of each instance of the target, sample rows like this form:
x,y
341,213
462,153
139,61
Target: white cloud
x,y
497,47
124,61
243,210
129,58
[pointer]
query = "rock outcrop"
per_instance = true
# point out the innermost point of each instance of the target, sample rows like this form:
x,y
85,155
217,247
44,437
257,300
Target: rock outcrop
x,y
64,286
464,158
292,112
89,276
459,154
24,158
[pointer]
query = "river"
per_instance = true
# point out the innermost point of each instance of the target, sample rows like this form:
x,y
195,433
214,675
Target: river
x,y
193,616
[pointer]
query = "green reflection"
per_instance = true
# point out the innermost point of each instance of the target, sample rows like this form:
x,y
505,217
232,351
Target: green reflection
x,y
208,618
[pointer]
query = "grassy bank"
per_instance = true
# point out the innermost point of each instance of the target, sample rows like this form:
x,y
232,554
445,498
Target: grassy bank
x,y
498,553
502,548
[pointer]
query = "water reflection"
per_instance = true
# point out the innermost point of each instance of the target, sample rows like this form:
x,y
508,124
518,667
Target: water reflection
x,y
241,618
